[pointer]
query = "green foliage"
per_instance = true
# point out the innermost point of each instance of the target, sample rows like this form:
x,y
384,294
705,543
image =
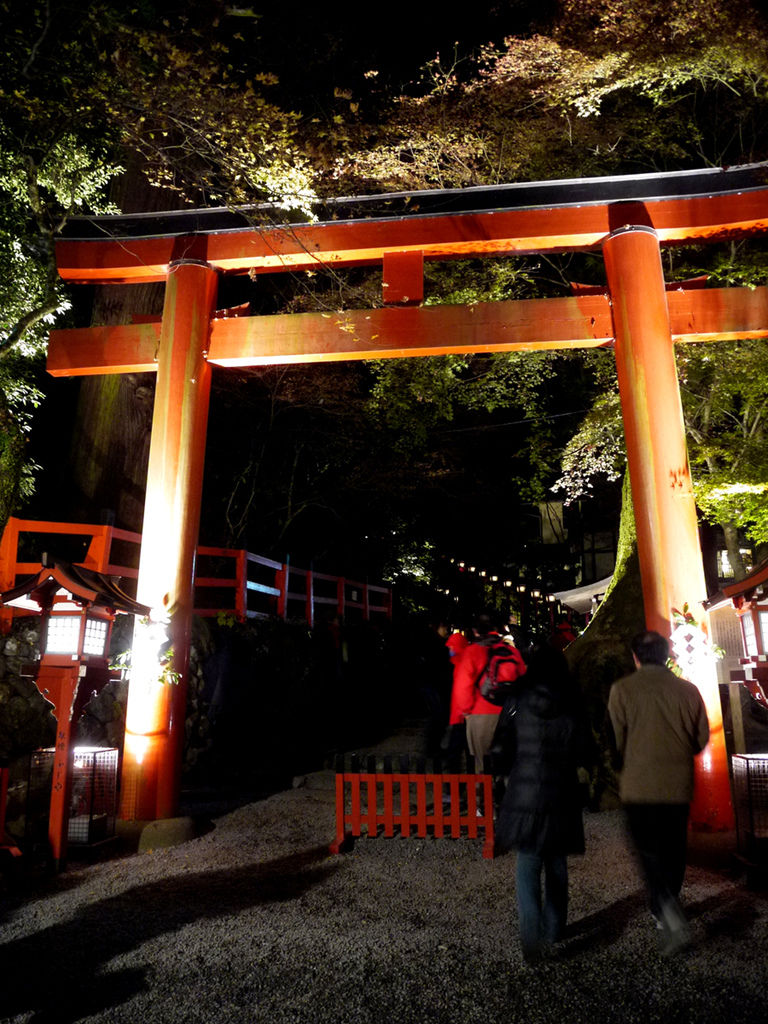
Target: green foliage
x,y
69,178
595,451
47,173
36,197
609,86
202,126
725,398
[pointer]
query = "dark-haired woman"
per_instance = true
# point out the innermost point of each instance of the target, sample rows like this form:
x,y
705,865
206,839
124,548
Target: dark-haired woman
x,y
540,815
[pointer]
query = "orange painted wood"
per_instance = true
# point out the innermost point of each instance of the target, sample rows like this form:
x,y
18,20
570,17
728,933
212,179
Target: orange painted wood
x,y
341,832
128,348
716,314
155,712
59,685
363,242
533,324
367,800
403,278
668,546
241,594
665,511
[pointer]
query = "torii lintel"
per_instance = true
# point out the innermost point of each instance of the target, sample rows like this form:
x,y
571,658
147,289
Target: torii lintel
x,y
581,321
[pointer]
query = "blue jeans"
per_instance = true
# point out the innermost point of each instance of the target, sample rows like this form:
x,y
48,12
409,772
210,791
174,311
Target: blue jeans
x,y
541,923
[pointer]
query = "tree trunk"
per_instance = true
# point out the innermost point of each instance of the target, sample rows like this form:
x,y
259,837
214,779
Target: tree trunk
x,y
733,548
110,445
601,655
12,453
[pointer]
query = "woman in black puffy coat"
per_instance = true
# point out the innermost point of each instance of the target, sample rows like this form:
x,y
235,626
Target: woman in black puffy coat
x,y
545,742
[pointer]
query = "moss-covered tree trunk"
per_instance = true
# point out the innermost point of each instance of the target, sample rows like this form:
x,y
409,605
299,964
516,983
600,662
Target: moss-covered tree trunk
x,y
110,446
12,443
601,654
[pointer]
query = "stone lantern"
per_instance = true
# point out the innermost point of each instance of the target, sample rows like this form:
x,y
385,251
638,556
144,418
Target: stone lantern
x,y
78,607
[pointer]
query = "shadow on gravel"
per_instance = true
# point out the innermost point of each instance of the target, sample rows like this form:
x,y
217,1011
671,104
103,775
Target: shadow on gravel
x,y
56,974
728,914
604,927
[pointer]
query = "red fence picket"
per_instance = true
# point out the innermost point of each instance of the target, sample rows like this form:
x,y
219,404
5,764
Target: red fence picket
x,y
414,803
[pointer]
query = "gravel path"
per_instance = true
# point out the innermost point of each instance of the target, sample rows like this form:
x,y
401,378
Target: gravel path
x,y
255,922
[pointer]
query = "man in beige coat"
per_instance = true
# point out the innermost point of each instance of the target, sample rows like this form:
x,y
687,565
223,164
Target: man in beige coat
x,y
659,723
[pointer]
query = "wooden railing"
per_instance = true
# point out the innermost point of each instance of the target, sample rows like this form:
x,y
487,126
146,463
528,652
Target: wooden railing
x,y
227,581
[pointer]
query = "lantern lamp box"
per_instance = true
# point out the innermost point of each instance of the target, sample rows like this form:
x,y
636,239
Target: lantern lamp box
x,y
78,607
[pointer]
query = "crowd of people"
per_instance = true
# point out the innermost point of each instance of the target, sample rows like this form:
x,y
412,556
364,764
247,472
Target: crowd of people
x,y
526,706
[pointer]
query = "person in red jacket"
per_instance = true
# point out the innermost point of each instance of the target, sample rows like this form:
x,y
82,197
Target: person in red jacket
x,y
456,643
467,704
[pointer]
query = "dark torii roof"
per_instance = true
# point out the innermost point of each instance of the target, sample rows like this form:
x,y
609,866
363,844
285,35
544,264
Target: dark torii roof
x,y
426,203
86,586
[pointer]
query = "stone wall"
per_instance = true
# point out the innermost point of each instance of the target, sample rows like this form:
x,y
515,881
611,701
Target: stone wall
x,y
26,719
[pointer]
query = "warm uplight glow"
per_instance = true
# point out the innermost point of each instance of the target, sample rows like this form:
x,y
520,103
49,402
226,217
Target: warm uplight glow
x,y
690,647
147,703
693,653
136,746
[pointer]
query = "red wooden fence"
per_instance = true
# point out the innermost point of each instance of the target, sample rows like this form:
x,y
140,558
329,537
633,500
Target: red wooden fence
x,y
420,803
227,581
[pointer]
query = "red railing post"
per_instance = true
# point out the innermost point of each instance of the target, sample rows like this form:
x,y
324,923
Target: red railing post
x,y
97,555
282,577
9,546
241,589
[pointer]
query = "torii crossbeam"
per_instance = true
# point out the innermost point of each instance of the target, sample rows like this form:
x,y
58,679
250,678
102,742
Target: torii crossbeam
x,y
628,218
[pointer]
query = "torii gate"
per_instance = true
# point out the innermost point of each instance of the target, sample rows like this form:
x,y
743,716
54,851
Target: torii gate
x,y
627,217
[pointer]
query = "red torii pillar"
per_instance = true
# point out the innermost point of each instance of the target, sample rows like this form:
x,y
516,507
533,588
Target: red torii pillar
x,y
668,546
156,711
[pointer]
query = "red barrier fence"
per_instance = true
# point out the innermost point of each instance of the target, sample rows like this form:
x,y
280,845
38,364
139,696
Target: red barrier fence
x,y
419,803
227,581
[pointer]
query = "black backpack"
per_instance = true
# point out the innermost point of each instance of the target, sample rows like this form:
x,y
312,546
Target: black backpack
x,y
495,690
